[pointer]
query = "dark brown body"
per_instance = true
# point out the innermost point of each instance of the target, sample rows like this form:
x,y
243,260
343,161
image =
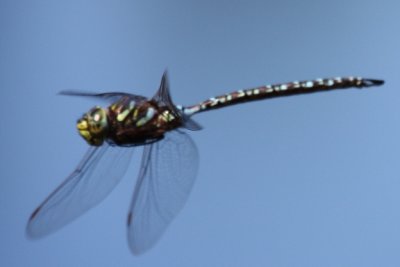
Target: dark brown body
x,y
136,122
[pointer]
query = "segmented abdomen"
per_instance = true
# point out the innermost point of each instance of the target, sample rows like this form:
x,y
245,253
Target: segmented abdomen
x,y
283,89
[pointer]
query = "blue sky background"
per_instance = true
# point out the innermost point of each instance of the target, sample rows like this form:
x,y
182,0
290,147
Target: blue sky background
x,y
301,181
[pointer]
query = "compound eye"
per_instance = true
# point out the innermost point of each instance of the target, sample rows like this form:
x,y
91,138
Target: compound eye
x,y
96,114
97,117
94,111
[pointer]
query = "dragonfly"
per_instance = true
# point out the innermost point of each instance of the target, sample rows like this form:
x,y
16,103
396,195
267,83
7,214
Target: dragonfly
x,y
169,161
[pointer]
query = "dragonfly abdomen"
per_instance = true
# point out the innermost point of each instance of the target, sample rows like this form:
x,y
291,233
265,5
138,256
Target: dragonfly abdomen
x,y
282,89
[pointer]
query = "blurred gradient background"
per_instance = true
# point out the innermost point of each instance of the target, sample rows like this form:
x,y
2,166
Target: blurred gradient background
x,y
300,181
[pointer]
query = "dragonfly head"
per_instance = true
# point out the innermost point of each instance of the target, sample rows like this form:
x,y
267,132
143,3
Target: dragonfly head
x,y
93,126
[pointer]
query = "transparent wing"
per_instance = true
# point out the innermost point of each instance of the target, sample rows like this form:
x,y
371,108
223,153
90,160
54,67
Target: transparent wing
x,y
94,178
163,98
168,171
111,96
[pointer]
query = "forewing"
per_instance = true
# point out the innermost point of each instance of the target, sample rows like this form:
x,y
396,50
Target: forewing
x,y
109,97
168,171
94,178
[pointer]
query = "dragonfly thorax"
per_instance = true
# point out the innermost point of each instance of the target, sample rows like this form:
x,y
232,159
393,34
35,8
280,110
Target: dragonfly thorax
x,y
93,126
132,123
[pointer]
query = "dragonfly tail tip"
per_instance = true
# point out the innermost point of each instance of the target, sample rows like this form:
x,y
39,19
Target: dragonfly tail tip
x,y
372,82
